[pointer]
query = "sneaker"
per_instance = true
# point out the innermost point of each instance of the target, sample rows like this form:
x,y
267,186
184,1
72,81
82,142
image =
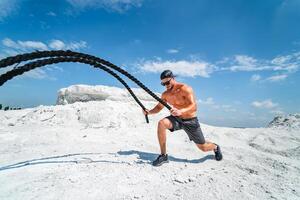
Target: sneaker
x,y
161,159
218,153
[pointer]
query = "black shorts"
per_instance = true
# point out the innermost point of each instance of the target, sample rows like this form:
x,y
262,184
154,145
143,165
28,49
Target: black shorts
x,y
191,126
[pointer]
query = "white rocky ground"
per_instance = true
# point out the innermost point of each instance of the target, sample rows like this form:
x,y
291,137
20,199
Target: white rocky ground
x,y
291,121
103,150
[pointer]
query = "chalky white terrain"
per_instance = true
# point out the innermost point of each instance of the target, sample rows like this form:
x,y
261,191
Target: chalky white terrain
x,y
103,149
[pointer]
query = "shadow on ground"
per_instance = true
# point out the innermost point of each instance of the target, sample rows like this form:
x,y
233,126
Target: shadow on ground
x,y
78,158
55,160
146,157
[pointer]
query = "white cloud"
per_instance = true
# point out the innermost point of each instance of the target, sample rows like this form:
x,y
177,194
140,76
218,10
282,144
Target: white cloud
x,y
60,45
57,44
9,43
33,45
36,74
7,7
182,67
15,47
255,77
23,45
41,73
287,63
228,108
245,63
114,5
279,60
10,52
223,61
264,104
76,45
51,13
277,78
277,112
172,51
53,68
208,101
245,60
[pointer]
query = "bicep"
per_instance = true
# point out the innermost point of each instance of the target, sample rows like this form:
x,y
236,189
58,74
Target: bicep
x,y
190,95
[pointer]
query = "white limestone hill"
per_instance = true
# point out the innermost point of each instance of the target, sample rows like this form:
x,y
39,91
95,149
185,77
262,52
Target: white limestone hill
x,y
103,150
291,121
84,93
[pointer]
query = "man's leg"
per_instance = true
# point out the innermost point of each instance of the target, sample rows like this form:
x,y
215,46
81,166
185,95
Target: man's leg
x,y
207,146
163,125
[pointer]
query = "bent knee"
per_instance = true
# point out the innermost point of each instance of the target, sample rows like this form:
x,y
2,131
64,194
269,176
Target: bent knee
x,y
165,123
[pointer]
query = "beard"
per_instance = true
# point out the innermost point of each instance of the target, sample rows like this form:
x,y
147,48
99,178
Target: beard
x,y
170,88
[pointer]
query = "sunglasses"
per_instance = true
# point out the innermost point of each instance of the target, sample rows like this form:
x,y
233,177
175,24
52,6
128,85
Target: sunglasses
x,y
166,83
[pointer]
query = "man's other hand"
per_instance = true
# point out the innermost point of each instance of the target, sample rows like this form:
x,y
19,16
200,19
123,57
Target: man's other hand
x,y
175,112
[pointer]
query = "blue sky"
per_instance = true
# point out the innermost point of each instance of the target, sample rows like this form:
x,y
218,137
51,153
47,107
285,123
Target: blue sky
x,y
242,58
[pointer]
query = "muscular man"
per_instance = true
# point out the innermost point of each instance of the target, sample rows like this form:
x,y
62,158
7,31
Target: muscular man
x,y
182,99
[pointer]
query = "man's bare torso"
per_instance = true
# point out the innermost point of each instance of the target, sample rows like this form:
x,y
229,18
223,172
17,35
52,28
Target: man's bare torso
x,y
178,97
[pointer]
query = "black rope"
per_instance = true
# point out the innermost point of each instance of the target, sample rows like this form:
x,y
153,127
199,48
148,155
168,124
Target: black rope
x,y
41,54
70,56
39,63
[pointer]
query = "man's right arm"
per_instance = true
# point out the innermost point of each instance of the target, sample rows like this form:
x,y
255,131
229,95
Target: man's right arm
x,y
157,108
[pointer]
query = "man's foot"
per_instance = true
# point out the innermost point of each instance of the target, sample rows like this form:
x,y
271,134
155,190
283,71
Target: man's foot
x,y
218,153
161,159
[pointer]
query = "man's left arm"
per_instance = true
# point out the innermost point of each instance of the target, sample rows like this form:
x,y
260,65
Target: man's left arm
x,y
190,98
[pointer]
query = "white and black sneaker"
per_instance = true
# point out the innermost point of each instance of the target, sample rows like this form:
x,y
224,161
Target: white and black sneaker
x,y
161,159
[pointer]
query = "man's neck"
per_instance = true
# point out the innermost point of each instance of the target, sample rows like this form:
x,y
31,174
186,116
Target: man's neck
x,y
173,88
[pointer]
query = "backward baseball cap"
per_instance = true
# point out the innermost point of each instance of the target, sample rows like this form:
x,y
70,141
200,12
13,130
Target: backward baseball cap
x,y
167,74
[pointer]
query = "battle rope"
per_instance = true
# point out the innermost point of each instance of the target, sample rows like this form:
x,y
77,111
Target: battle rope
x,y
39,63
70,56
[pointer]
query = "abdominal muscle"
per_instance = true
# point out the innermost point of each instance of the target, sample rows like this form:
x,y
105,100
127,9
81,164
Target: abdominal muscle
x,y
187,114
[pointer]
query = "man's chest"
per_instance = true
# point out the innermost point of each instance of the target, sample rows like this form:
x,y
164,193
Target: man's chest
x,y
176,98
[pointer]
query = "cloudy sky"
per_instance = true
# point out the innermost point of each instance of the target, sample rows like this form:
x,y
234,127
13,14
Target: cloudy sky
x,y
241,57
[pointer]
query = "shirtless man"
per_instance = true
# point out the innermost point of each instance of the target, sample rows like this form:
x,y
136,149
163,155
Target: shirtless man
x,y
183,101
